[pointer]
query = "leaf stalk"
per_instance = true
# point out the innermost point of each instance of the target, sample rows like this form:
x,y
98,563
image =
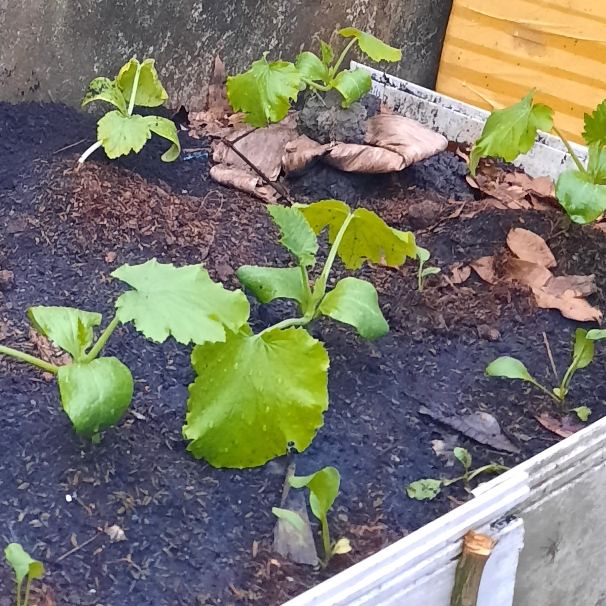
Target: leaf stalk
x,y
101,341
19,355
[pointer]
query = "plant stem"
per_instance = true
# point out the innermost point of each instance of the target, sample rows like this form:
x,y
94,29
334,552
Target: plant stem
x,y
101,341
326,542
95,146
343,55
18,594
19,355
289,323
421,263
133,93
316,86
545,390
568,147
307,305
479,470
26,601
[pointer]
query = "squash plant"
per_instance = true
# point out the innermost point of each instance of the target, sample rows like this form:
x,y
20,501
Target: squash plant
x,y
25,568
120,131
511,131
257,395
265,91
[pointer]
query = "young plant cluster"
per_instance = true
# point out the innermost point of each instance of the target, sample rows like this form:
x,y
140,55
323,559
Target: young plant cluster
x,y
512,131
265,91
25,568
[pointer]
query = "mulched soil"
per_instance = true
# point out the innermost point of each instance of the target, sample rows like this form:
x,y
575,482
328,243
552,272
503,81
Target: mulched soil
x,y
198,535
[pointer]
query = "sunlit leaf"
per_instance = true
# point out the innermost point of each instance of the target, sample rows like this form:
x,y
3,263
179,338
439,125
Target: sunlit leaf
x,y
120,134
183,302
311,67
596,164
264,92
596,335
22,563
595,126
355,302
150,93
95,395
269,283
463,457
352,85
104,89
583,413
165,128
508,368
323,489
582,199
424,490
291,517
68,328
341,547
254,395
297,235
371,46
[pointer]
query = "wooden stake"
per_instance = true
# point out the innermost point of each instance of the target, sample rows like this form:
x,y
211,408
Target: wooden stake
x,y
476,551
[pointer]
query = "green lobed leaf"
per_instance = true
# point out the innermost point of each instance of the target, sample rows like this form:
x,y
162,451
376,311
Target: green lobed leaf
x,y
424,490
104,89
463,457
95,395
583,413
120,134
595,126
511,131
328,54
297,235
269,283
323,489
582,199
312,68
183,302
22,563
583,349
165,128
508,368
254,395
264,92
376,49
291,517
68,328
355,302
150,93
352,85
367,237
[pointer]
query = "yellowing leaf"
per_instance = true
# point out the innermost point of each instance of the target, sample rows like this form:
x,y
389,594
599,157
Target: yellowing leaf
x,y
254,395
371,46
341,547
150,93
104,89
264,92
583,412
424,490
352,85
120,134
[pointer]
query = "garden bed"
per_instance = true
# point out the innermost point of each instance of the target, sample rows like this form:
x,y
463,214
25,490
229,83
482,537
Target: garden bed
x,y
199,535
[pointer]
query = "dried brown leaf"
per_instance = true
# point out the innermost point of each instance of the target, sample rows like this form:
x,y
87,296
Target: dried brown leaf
x,y
531,274
528,246
484,267
352,158
569,305
244,181
302,153
564,428
459,273
115,533
582,286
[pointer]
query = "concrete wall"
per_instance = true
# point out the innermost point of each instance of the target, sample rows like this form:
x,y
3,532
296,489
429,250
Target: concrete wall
x,y
51,49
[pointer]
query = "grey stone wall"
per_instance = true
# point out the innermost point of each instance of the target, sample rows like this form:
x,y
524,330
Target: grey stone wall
x,y
51,49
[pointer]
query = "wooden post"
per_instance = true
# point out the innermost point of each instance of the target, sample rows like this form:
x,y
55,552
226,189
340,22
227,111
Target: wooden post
x,y
476,551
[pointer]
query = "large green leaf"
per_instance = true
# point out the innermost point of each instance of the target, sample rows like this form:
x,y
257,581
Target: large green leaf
x,y
150,93
511,131
269,283
120,134
352,85
264,92
104,89
311,67
582,199
165,128
367,236
95,395
297,235
508,368
323,489
255,395
583,349
371,46
68,328
22,563
595,126
355,302
183,302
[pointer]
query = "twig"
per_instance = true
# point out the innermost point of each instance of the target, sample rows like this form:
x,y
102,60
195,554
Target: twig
x,y
553,366
77,548
68,146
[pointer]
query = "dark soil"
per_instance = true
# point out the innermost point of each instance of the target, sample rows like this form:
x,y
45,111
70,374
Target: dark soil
x,y
194,534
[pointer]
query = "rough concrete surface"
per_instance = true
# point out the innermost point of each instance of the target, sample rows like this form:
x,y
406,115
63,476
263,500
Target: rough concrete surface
x,y
51,50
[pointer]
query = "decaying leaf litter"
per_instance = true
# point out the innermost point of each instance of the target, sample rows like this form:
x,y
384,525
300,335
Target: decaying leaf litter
x,y
442,337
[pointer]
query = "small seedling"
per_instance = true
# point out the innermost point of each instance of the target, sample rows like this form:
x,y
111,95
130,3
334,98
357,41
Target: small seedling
x,y
120,131
24,567
323,490
428,489
511,131
265,91
423,256
582,356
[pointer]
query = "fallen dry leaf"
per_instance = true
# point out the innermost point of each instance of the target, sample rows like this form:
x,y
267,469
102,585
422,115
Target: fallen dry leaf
x,y
302,153
115,533
6,277
353,158
528,246
542,187
110,257
569,305
582,286
564,428
484,267
444,449
459,273
244,181
217,105
531,274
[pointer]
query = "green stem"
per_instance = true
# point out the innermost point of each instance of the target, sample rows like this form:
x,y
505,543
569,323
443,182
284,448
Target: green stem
x,y
26,601
568,147
421,276
343,55
101,341
18,594
545,390
19,355
326,542
316,86
133,94
479,470
307,305
289,323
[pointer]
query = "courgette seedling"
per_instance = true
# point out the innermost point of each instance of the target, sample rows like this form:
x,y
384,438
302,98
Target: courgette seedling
x,y
265,91
323,490
423,256
120,131
257,395
511,131
428,489
582,356
24,567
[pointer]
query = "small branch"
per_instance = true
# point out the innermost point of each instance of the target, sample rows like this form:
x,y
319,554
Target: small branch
x,y
553,366
77,548
476,551
94,147
568,147
68,147
19,355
